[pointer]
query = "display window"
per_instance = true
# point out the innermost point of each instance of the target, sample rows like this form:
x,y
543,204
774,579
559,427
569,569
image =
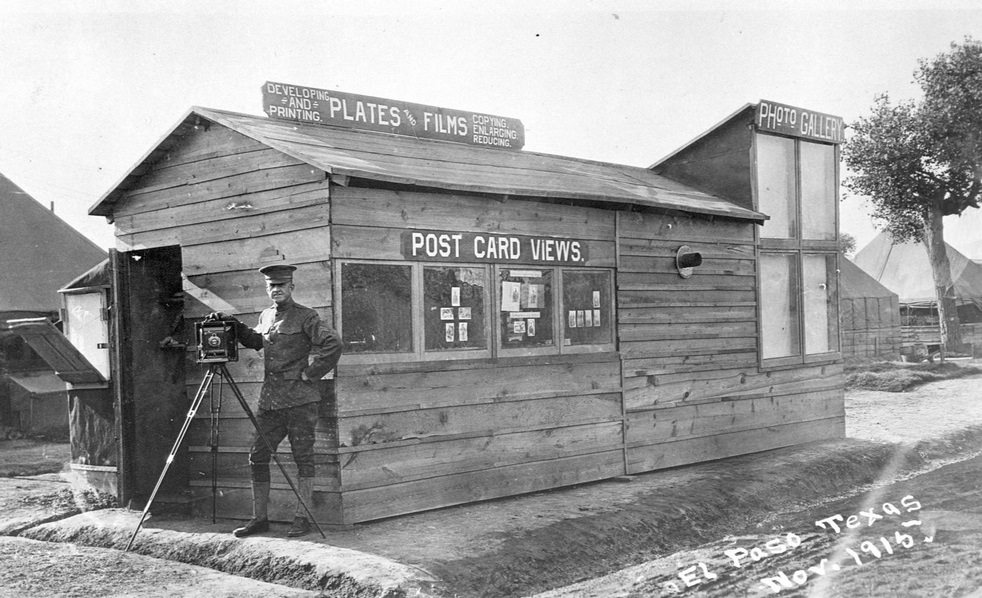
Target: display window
x,y
819,302
376,308
533,319
409,312
779,301
454,300
587,306
526,310
797,186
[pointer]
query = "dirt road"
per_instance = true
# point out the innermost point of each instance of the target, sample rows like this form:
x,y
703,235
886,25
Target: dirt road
x,y
917,537
524,545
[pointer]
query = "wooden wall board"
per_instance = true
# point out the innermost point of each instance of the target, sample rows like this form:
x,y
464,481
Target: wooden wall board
x,y
695,285
202,143
358,206
211,168
708,419
651,391
627,316
296,247
235,502
421,390
664,263
659,248
483,419
138,201
644,349
235,431
694,450
262,202
409,497
663,299
218,230
683,228
245,291
427,460
690,362
357,370
233,467
694,330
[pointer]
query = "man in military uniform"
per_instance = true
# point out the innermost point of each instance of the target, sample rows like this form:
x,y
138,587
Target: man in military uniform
x,y
298,349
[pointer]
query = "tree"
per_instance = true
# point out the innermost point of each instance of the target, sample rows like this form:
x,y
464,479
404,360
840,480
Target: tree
x,y
919,161
847,244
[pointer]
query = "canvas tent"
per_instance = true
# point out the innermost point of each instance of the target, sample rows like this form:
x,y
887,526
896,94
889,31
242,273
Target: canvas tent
x,y
870,314
905,269
40,254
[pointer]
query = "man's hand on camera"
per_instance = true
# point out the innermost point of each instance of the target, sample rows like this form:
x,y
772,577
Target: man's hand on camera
x,y
217,316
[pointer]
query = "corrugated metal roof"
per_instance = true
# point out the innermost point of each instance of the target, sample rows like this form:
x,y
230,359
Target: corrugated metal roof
x,y
40,252
444,165
906,270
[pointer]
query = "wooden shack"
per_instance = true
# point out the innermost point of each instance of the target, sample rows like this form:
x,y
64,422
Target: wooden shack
x,y
513,321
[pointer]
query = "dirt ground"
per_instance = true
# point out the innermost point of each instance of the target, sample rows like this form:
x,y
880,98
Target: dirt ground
x,y
523,545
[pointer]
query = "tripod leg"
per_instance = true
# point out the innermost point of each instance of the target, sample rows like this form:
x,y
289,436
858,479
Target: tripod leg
x,y
202,390
269,446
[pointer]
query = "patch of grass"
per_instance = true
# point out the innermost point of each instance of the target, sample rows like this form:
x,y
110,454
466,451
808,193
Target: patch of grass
x,y
892,376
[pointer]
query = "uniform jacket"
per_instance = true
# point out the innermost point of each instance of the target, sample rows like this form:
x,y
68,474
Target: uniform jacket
x,y
294,341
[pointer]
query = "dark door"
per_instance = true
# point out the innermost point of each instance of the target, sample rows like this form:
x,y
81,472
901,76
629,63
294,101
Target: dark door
x,y
151,401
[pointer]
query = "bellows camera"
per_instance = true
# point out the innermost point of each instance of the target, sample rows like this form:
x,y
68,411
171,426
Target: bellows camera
x,y
217,342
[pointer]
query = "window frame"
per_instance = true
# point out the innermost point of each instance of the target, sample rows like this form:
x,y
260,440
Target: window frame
x,y
491,319
799,247
419,315
500,349
559,346
609,346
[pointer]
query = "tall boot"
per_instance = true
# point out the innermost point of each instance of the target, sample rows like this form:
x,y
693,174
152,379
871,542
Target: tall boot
x,y
305,488
260,507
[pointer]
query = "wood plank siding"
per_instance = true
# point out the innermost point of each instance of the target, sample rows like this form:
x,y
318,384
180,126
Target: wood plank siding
x,y
918,340
436,433
693,389
232,205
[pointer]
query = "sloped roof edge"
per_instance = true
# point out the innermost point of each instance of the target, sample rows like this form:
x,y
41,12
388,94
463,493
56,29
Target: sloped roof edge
x,y
621,184
102,206
704,134
855,282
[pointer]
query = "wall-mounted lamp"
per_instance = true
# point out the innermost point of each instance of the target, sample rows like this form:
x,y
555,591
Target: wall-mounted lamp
x,y
686,260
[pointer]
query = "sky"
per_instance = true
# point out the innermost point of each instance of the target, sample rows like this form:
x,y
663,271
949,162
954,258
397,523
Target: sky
x,y
88,87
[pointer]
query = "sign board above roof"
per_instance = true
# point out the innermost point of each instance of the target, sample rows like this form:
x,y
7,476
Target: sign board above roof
x,y
798,122
321,106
